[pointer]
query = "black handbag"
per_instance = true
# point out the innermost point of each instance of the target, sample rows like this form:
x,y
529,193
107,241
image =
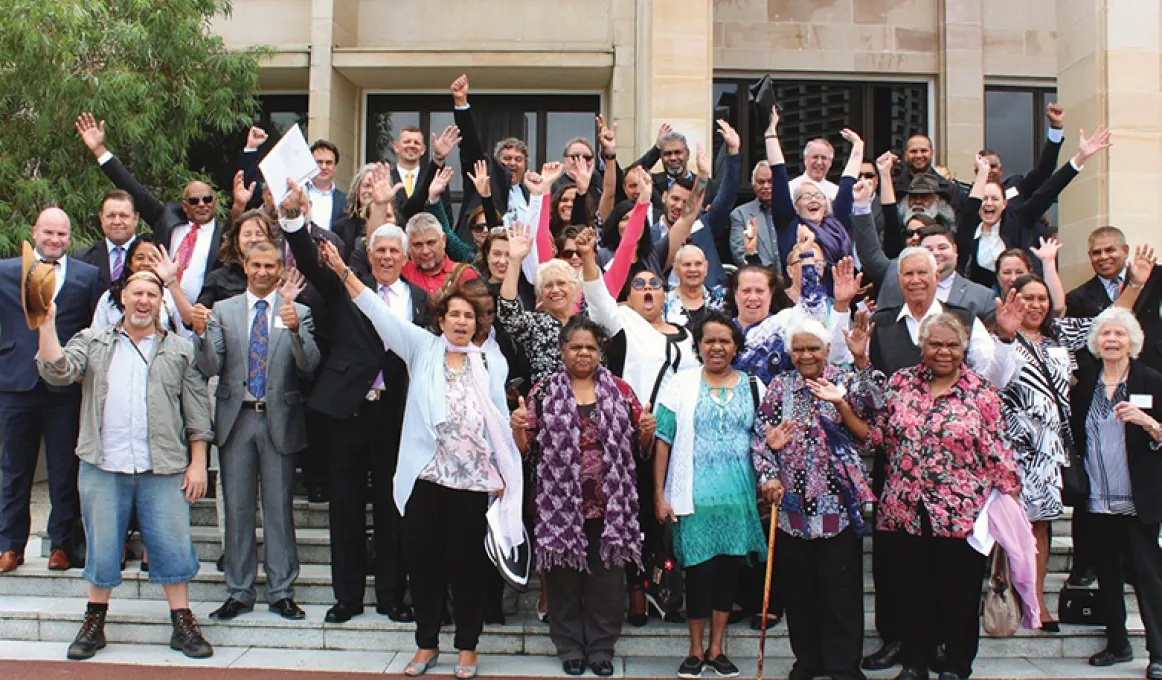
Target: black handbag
x,y
1074,478
1079,606
665,581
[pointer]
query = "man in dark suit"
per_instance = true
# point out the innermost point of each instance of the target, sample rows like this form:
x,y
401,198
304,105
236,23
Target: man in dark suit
x,y
119,224
368,419
328,202
1108,254
30,409
189,230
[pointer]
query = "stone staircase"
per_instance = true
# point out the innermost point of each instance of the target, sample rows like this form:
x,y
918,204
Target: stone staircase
x,y
39,605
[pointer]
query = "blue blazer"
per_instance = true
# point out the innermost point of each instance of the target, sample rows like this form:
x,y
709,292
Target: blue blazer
x,y
18,345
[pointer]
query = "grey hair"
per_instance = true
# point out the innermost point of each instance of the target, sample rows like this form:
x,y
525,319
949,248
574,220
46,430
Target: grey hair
x,y
802,324
579,140
944,320
553,266
511,143
686,249
1117,316
673,137
799,192
914,251
423,222
353,193
755,172
818,140
265,245
390,232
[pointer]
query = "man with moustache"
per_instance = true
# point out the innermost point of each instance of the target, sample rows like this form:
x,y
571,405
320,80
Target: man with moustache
x,y
30,408
951,287
144,433
118,220
760,209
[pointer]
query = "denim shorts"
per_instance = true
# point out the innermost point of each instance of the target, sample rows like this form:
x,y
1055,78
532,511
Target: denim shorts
x,y
108,499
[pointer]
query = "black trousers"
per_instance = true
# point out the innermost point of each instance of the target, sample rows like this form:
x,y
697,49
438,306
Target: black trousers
x,y
890,589
944,580
443,533
586,610
1121,541
823,594
1084,540
366,443
313,460
711,585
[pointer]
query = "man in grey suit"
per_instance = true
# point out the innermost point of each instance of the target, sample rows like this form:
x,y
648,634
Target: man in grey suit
x,y
259,343
760,209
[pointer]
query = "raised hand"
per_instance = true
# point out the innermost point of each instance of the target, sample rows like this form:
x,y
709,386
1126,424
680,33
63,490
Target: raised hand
x,y
550,172
519,420
773,126
1056,115
980,165
293,283
729,137
885,162
296,201
1088,147
778,437
846,282
1047,251
443,145
827,391
703,160
606,136
859,336
242,193
165,268
851,137
750,236
329,255
460,91
586,242
382,190
862,192
255,137
663,130
645,184
1142,265
440,183
480,179
92,133
1009,315
581,170
520,243
804,238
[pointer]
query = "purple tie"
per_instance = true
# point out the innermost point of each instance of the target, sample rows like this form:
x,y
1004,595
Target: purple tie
x,y
385,293
118,262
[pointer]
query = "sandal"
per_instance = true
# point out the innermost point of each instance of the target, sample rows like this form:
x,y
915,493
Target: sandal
x,y
415,669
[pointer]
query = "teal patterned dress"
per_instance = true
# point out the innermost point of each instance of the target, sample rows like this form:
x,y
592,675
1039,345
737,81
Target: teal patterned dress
x,y
726,518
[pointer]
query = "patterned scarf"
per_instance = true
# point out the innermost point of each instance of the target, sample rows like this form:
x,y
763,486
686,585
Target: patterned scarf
x,y
560,530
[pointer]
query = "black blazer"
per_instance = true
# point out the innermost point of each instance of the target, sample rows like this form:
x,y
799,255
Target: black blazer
x,y
1027,185
98,256
1145,463
407,206
1090,299
163,217
472,150
357,355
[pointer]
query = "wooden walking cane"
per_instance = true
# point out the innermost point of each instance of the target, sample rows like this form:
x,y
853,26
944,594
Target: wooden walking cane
x,y
767,587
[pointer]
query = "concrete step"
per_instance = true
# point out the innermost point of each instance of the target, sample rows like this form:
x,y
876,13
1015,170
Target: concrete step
x,y
146,621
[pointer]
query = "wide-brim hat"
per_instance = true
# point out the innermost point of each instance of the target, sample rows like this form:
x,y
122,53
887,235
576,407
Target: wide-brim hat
x,y
37,286
924,183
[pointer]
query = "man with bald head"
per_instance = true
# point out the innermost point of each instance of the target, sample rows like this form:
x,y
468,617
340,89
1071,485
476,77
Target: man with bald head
x,y
189,229
29,408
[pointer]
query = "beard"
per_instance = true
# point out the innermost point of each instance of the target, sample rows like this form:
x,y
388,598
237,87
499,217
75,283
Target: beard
x,y
141,321
940,210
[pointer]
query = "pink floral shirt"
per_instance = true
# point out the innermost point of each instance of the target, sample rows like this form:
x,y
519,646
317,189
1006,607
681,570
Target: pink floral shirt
x,y
944,452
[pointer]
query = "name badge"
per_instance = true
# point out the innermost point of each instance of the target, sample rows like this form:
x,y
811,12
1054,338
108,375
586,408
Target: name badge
x,y
279,323
1142,400
1060,354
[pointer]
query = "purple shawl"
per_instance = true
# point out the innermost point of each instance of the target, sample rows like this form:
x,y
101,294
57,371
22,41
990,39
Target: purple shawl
x,y
560,524
832,238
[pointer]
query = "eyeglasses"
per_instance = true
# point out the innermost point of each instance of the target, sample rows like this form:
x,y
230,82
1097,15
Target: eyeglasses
x,y
568,254
813,196
480,226
646,284
194,200
580,156
867,175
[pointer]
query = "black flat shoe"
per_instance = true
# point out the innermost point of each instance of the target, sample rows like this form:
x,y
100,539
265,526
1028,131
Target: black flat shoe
x,y
1109,657
1154,670
602,669
912,674
1050,627
287,609
573,666
342,612
722,666
883,658
690,668
230,609
318,494
399,612
220,565
756,621
948,675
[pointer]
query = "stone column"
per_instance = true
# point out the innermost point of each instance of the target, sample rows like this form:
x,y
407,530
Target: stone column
x,y
960,124
1109,71
333,103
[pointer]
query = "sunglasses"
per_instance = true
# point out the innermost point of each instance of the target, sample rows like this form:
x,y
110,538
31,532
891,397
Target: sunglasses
x,y
194,200
580,156
645,284
480,226
568,254
867,175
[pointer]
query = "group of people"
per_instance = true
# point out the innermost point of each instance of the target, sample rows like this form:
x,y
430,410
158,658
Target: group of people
x,y
610,365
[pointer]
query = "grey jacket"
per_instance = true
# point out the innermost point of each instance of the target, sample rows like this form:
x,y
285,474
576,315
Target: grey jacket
x,y
177,400
224,350
768,245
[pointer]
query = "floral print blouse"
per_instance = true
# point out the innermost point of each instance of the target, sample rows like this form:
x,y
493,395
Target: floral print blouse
x,y
462,460
537,334
944,453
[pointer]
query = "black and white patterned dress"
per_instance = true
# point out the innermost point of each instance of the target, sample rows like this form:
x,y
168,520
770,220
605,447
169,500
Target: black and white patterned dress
x,y
1031,415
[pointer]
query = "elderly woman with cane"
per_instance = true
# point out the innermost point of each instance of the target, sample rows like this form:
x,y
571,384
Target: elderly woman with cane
x,y
805,454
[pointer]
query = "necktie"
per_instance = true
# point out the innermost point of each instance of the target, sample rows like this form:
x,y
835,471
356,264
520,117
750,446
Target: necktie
x,y
186,249
409,183
259,340
118,262
385,293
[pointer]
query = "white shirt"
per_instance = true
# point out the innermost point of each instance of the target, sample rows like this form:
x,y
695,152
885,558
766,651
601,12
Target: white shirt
x,y
110,247
107,315
195,275
944,287
251,313
404,173
125,420
990,247
829,189
322,203
61,267
399,298
991,360
518,205
1113,286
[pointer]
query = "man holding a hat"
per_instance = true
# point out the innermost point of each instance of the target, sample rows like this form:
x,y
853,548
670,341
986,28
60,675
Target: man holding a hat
x,y
29,408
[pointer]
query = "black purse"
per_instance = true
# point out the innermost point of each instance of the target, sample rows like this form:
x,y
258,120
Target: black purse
x,y
1079,606
1074,478
665,581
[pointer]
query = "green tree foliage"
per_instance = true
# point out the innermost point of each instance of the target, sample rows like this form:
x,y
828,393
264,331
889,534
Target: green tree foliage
x,y
150,68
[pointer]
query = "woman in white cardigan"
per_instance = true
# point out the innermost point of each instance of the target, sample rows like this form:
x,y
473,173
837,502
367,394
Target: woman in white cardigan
x,y
447,472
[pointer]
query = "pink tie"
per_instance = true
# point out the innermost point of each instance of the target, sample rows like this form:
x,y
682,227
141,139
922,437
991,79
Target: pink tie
x,y
186,249
385,293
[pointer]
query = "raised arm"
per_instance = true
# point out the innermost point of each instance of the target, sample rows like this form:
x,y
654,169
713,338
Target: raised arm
x,y
718,214
863,233
968,218
602,305
93,135
437,183
1046,252
618,270
540,186
59,366
1043,198
681,229
303,247
471,149
482,183
607,137
1047,161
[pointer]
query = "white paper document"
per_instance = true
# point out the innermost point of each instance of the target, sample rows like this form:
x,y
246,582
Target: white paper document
x,y
290,157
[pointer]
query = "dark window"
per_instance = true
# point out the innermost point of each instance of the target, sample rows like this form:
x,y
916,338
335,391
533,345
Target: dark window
x,y
217,155
884,114
1016,127
544,123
